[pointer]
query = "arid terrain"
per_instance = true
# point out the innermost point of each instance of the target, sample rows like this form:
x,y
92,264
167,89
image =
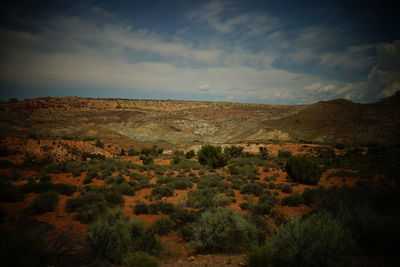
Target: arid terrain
x,y
174,123
83,171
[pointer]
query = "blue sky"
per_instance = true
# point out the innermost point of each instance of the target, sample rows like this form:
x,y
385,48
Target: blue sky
x,y
273,52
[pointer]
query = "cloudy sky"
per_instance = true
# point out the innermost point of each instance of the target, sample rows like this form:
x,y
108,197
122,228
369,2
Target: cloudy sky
x,y
273,52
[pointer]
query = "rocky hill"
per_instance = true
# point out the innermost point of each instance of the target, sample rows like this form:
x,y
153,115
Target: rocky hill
x,y
187,122
342,120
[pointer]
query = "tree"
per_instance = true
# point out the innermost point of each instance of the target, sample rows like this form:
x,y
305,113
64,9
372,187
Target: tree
x,y
212,156
234,151
263,152
147,160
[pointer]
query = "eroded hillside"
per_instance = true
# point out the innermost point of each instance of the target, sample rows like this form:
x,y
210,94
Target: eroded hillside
x,y
142,120
187,122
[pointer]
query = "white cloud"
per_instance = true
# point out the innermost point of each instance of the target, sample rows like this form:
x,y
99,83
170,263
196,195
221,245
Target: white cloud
x,y
353,58
223,17
204,87
319,45
319,87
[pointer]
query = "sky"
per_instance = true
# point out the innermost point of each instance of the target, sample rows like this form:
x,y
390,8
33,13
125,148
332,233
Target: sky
x,y
271,52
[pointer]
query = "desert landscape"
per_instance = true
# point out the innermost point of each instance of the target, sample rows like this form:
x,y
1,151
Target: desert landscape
x,y
99,182
212,133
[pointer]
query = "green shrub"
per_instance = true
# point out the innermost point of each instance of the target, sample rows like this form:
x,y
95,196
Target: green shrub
x,y
264,204
124,188
249,172
370,214
190,154
182,216
176,160
252,188
223,230
141,208
45,202
263,152
109,236
213,182
144,240
206,198
284,154
32,187
318,240
99,144
162,191
165,180
285,188
154,208
92,203
292,201
212,156
132,152
234,151
303,169
38,188
139,259
147,160
237,183
182,184
233,170
163,225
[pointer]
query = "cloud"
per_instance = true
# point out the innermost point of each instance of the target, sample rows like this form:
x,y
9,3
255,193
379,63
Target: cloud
x,y
81,52
226,17
73,51
385,76
204,87
319,87
324,48
353,58
383,79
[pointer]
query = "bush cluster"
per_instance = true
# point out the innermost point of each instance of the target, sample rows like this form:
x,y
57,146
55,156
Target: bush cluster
x,y
233,151
162,191
223,230
212,156
264,204
93,202
155,208
252,188
115,238
318,240
303,169
45,202
163,225
206,198
32,187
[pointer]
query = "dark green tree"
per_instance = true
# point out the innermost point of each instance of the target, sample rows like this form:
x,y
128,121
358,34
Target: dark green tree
x,y
303,169
212,156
